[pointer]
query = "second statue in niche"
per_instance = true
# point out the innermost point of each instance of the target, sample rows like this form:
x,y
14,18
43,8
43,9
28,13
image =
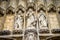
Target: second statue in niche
x,y
30,17
42,19
19,20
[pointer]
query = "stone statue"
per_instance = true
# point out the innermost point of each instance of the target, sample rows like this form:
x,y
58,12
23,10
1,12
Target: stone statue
x,y
42,19
30,17
19,20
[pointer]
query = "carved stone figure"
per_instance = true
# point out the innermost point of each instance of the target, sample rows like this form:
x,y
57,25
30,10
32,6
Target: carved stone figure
x,y
42,19
30,17
19,21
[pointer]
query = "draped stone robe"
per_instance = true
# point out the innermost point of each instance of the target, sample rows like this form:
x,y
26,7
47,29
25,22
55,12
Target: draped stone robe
x,y
42,19
30,18
19,21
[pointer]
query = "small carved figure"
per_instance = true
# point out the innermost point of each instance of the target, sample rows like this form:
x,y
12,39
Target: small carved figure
x,y
19,20
42,19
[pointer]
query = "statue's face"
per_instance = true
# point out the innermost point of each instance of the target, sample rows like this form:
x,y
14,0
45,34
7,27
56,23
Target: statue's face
x,y
30,12
20,13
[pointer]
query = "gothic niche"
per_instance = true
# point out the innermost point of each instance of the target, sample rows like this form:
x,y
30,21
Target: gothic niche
x,y
1,20
30,17
8,25
19,20
42,19
30,36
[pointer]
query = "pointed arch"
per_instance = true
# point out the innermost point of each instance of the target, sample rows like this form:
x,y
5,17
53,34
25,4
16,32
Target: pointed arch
x,y
51,8
20,8
41,7
11,10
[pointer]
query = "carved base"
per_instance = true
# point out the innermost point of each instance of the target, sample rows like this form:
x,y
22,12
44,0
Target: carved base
x,y
55,30
5,32
17,31
31,30
43,31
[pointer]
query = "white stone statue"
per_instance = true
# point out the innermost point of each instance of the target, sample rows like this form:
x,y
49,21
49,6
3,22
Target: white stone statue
x,y
42,19
30,17
19,21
